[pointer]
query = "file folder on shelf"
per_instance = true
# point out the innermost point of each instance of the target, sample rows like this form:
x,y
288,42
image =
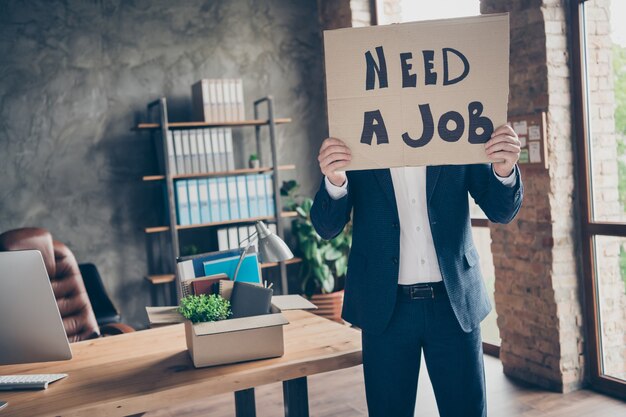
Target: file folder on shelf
x,y
261,194
269,188
222,190
253,203
203,196
214,201
242,197
182,201
233,204
194,201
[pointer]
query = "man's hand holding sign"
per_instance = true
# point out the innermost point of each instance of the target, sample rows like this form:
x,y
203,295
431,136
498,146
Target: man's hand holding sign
x,y
503,149
413,114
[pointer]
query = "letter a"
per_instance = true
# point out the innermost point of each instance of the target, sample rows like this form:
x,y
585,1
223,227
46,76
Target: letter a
x,y
369,128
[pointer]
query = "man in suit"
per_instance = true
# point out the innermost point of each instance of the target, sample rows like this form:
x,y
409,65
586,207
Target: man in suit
x,y
414,282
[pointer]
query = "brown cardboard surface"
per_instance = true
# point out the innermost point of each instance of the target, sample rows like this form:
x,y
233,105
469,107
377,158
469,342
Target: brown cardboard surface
x,y
292,302
163,315
482,40
243,323
231,347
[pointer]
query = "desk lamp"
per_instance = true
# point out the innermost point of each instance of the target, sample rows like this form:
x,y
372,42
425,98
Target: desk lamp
x,y
271,247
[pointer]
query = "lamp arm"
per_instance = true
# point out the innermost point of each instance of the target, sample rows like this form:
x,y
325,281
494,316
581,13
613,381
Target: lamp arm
x,y
243,255
249,238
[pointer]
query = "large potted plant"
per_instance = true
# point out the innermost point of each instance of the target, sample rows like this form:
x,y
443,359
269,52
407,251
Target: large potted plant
x,y
324,262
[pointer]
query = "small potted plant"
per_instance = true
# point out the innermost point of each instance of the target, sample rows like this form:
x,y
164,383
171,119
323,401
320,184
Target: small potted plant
x,y
254,162
203,308
324,262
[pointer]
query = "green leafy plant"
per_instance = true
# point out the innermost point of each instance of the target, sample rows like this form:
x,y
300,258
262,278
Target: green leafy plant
x,y
254,157
202,308
325,262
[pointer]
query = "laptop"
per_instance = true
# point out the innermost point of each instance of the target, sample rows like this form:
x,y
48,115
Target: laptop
x,y
31,329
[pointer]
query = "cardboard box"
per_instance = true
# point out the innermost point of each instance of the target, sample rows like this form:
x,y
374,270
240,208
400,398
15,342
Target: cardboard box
x,y
230,341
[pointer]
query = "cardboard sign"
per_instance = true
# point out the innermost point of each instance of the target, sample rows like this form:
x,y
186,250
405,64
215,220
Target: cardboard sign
x,y
423,93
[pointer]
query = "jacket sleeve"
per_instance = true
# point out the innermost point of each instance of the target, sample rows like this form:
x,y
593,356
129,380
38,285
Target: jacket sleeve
x,y
499,202
330,216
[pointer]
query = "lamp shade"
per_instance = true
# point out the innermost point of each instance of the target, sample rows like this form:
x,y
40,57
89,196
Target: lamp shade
x,y
271,247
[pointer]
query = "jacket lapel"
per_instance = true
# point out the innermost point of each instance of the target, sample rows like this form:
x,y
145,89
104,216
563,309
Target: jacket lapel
x,y
384,179
432,175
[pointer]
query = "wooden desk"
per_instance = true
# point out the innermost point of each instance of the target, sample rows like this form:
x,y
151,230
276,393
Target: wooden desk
x,y
151,369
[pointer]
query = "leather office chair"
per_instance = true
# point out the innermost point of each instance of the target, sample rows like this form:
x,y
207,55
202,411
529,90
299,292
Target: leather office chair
x,y
67,282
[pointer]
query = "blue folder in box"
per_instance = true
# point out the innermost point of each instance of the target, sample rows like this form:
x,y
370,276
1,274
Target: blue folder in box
x,y
248,272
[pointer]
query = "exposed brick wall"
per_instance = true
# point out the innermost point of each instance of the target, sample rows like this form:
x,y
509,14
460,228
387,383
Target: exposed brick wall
x,y
538,293
361,13
334,14
537,284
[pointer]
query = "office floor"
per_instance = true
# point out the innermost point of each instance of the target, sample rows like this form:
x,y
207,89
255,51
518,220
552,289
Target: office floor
x,y
341,394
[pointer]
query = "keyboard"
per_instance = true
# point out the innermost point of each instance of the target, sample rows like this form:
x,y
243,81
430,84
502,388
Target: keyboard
x,y
19,382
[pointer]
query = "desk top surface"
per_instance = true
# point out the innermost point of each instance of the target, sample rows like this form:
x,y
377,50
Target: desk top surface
x,y
151,369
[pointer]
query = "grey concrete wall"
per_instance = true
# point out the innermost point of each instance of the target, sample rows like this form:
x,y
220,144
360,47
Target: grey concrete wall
x,y
76,75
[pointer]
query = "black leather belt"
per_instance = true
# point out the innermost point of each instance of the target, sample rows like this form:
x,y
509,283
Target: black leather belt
x,y
422,291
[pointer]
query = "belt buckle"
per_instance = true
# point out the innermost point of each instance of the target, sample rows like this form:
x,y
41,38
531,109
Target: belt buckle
x,y
430,292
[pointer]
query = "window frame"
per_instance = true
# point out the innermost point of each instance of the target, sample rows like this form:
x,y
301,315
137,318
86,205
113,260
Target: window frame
x,y
590,228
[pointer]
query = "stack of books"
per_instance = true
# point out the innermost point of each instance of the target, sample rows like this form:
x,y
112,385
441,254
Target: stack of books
x,y
237,237
235,197
195,151
218,100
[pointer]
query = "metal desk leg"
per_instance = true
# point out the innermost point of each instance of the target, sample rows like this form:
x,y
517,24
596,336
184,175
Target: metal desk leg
x,y
296,397
154,297
244,403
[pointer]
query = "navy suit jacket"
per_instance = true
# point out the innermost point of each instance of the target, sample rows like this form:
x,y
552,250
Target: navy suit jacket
x,y
372,277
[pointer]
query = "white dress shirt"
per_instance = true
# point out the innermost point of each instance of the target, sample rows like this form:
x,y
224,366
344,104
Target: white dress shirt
x,y
418,259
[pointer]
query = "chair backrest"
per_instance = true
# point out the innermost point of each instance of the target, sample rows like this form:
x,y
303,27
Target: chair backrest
x,y
106,312
67,283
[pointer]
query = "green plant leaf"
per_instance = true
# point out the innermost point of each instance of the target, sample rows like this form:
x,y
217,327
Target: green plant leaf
x,y
329,284
307,204
301,212
316,255
341,266
332,254
203,308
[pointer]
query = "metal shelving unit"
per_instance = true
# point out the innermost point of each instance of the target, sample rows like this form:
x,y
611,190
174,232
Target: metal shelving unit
x,y
173,229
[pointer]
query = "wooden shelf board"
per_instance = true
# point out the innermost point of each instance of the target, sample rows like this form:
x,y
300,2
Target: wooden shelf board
x,y
153,177
219,173
158,229
161,279
173,125
288,262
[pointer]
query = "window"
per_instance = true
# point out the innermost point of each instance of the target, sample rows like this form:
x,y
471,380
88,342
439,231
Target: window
x,y
599,41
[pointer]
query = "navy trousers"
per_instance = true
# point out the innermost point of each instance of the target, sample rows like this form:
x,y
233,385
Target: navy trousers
x,y
391,361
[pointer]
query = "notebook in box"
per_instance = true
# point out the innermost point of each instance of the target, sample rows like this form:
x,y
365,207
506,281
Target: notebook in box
x,y
250,300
